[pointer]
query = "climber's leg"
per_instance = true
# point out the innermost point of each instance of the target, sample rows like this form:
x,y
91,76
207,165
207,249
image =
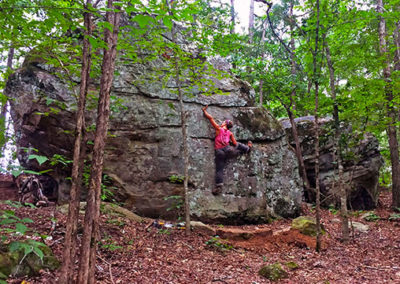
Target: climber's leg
x,y
220,160
240,149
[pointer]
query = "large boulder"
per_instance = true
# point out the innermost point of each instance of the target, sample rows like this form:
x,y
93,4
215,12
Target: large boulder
x,y
361,163
144,152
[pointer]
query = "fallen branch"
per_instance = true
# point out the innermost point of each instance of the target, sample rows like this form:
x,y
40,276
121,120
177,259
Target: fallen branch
x,y
189,246
382,268
53,221
109,268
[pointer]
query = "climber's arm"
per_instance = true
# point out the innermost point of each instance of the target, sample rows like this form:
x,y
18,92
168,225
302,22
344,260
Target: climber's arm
x,y
210,118
234,142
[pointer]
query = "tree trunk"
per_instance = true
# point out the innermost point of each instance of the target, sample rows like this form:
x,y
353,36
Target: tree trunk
x,y
337,149
184,131
3,112
391,112
262,58
396,37
91,225
10,57
316,125
292,108
251,21
67,269
233,18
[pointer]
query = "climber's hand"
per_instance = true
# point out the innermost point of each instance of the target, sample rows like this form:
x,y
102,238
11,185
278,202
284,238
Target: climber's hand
x,y
204,108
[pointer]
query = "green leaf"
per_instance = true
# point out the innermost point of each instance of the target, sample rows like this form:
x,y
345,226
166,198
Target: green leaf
x,y
21,228
14,246
38,252
39,159
143,20
167,22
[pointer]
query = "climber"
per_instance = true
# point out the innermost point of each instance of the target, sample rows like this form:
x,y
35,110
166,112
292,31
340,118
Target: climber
x,y
223,149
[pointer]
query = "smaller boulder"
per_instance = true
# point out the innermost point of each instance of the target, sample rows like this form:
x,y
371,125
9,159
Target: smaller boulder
x,y
273,272
19,264
306,225
292,265
360,227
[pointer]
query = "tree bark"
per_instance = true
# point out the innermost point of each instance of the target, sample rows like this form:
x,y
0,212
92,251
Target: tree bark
x,y
233,17
316,125
184,131
67,270
91,225
337,149
251,21
391,113
3,113
262,58
292,108
396,37
10,57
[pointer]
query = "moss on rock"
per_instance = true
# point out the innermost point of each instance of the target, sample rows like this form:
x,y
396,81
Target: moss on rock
x,y
273,272
15,263
292,265
306,225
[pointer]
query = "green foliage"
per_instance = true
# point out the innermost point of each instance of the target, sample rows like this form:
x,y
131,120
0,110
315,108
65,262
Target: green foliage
x,y
218,244
176,179
164,232
107,190
332,208
395,216
176,202
28,246
108,243
60,159
10,224
38,158
117,222
372,217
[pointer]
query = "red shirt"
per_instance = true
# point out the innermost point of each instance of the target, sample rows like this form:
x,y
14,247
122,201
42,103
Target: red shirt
x,y
222,139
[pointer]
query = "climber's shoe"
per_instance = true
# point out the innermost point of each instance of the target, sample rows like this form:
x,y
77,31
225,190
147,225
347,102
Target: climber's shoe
x,y
217,189
250,145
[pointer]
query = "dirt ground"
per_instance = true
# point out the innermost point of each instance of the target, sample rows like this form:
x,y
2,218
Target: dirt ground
x,y
132,253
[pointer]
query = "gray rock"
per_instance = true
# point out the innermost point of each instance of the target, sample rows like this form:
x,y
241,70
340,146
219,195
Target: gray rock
x,y
361,169
144,148
360,227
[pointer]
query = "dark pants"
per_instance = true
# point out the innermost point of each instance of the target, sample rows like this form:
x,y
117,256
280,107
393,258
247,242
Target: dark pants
x,y
223,154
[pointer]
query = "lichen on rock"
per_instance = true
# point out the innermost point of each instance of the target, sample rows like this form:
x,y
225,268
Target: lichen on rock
x,y
144,146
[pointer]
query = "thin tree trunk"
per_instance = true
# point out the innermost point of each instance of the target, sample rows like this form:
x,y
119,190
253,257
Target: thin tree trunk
x,y
184,131
396,37
292,108
391,113
262,58
10,57
337,149
91,225
316,125
67,268
233,17
251,21
3,113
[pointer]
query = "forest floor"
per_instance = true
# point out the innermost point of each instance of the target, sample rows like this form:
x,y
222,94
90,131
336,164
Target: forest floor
x,y
133,252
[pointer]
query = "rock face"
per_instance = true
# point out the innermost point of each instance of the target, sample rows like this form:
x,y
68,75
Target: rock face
x,y
361,167
144,149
